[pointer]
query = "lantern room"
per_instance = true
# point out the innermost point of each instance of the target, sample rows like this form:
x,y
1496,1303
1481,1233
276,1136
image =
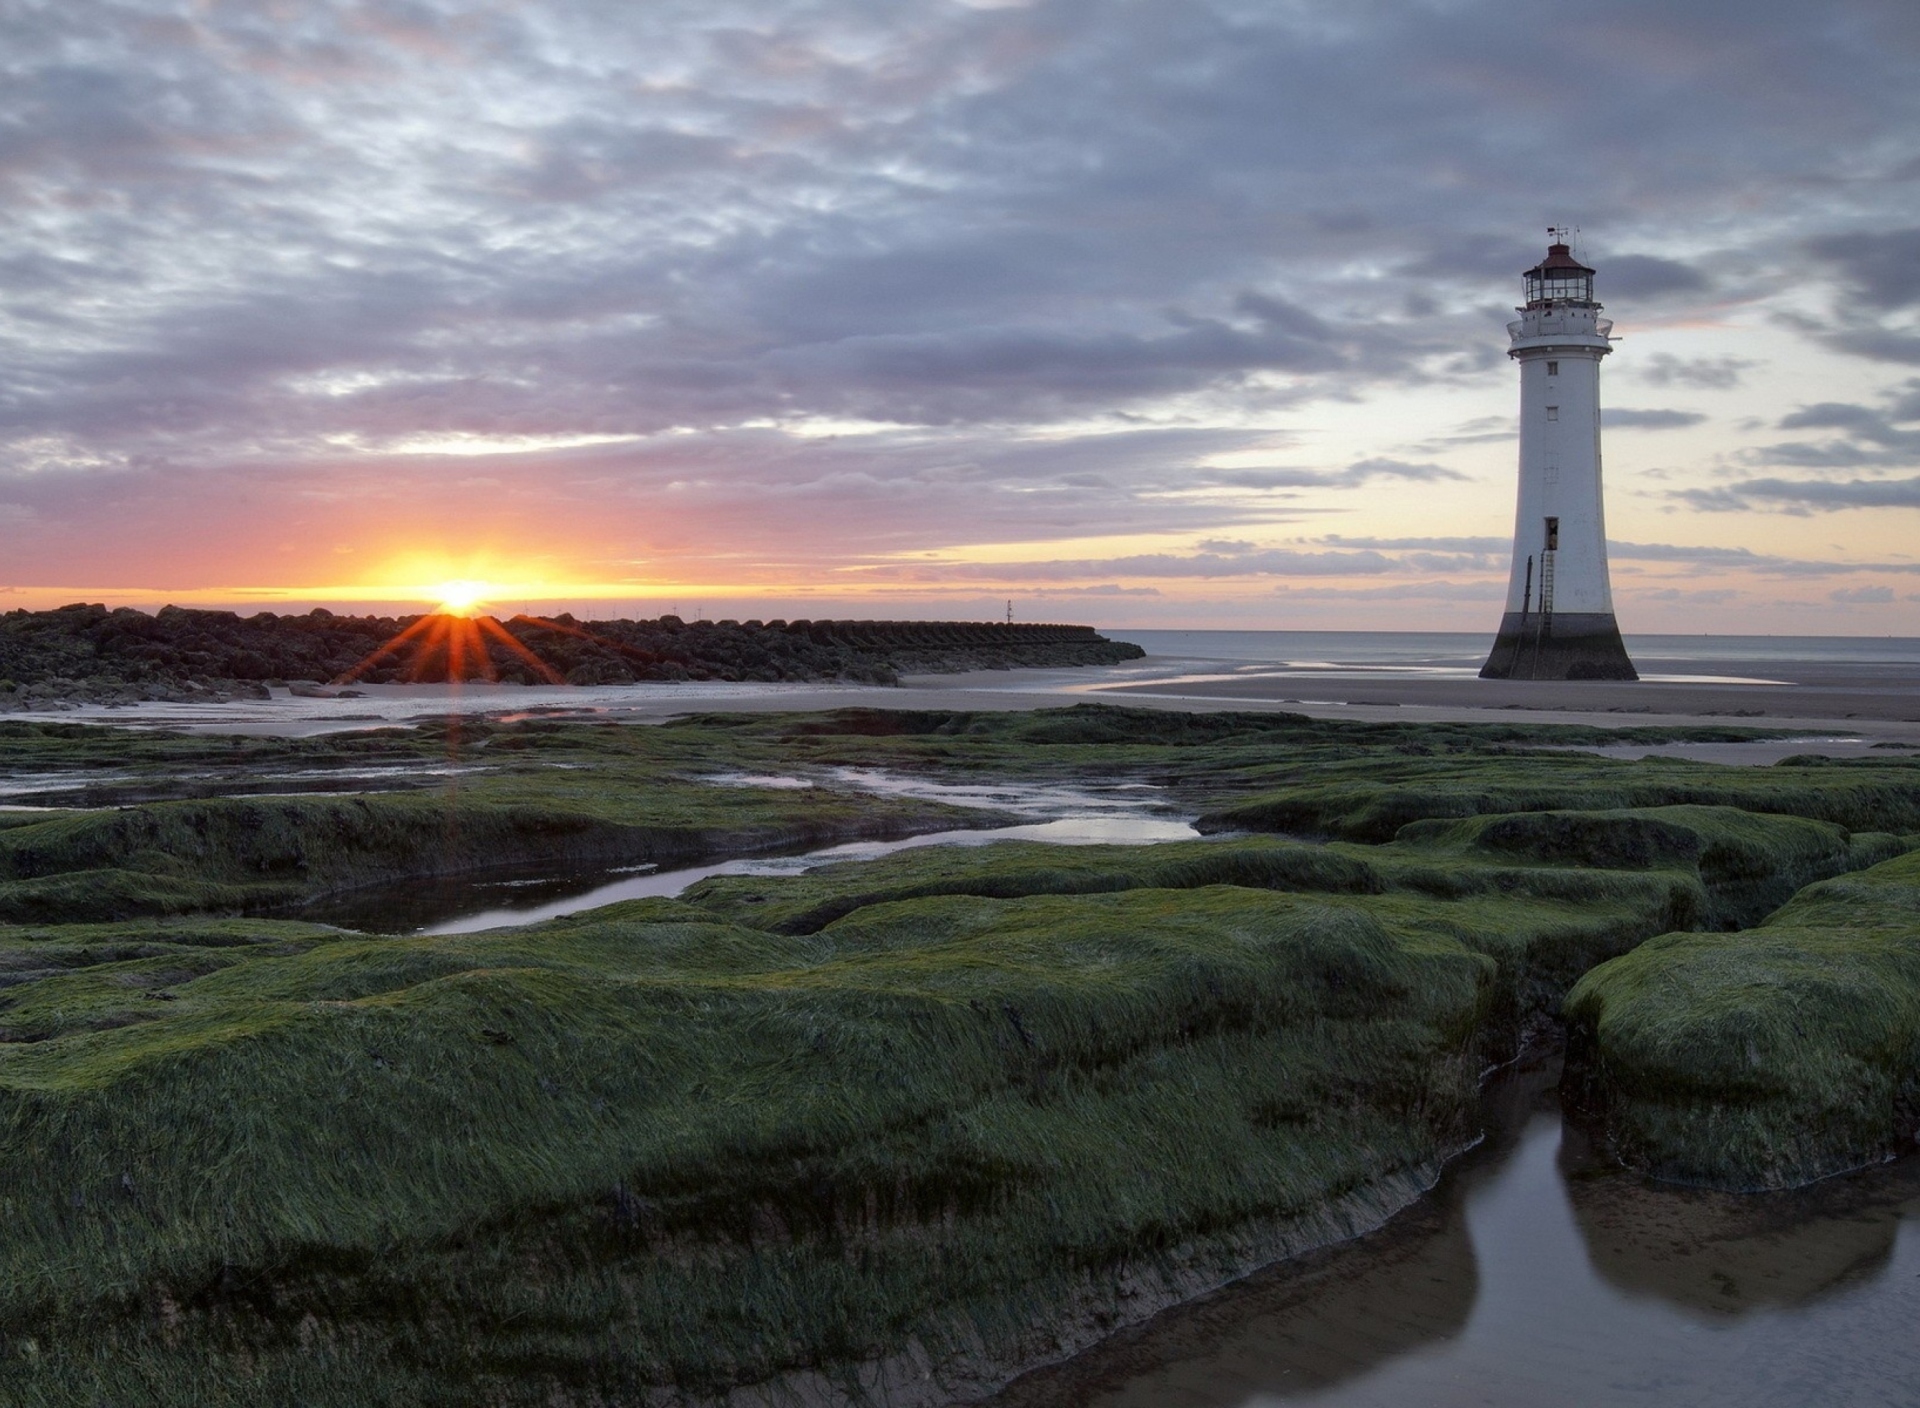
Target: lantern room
x,y
1559,278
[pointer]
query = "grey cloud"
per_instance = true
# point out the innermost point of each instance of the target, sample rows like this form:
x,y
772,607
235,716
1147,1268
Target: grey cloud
x,y
1880,284
1881,265
1711,500
1645,276
1355,475
1408,591
1806,494
1716,596
1834,414
1268,562
1284,318
1830,454
1866,435
1699,373
1363,470
1673,552
1745,558
1469,545
1482,430
1454,562
1626,419
1479,255
1877,344
1904,402
993,374
1862,596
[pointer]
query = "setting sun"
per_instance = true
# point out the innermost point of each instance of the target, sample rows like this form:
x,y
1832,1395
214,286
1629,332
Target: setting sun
x,y
462,596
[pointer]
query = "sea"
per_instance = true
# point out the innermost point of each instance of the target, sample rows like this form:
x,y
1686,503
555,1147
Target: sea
x,y
1455,652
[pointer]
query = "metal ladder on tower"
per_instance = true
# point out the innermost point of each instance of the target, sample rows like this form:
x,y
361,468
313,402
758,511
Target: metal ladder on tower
x,y
1546,609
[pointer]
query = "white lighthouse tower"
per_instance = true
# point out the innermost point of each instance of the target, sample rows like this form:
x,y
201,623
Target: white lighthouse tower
x,y
1559,621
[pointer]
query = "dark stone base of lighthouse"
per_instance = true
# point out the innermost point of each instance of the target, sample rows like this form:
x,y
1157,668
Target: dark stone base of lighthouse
x,y
1568,645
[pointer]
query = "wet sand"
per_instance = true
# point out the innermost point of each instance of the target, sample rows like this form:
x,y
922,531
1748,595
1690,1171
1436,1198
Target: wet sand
x,y
1850,705
1825,697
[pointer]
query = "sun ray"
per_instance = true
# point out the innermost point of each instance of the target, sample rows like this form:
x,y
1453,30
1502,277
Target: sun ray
x,y
456,641
476,648
617,647
390,647
500,633
454,648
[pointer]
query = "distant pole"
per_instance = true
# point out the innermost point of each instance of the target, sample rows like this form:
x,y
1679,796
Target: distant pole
x,y
1009,613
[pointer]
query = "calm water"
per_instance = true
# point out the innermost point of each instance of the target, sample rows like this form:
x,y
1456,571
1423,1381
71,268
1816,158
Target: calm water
x,y
1536,1276
1127,813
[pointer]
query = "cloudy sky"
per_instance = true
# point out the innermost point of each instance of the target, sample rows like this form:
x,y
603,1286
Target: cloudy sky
x,y
1183,313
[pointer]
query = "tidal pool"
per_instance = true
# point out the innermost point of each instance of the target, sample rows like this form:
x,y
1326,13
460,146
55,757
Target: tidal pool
x,y
1062,831
1124,814
1536,1275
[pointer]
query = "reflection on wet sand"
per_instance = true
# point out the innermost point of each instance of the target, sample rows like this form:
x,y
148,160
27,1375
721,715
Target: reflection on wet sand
x,y
1534,1275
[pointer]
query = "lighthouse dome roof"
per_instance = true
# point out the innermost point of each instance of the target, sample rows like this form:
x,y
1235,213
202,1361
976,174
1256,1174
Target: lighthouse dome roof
x,y
1559,260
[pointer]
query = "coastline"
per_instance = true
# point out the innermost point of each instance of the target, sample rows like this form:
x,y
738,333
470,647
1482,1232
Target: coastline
x,y
1849,711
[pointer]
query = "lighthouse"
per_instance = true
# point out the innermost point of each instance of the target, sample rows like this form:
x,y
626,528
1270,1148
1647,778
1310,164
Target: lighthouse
x,y
1559,622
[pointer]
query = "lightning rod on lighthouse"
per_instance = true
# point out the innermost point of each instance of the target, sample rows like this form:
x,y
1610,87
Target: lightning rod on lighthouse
x,y
1559,622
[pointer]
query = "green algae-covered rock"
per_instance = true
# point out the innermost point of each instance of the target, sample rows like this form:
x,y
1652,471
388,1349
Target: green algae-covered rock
x,y
1764,1058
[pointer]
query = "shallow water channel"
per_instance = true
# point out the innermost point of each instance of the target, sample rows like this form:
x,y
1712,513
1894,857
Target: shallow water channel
x,y
1536,1275
1127,813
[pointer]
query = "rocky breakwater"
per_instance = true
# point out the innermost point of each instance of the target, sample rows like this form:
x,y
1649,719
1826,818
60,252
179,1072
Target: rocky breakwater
x,y
88,652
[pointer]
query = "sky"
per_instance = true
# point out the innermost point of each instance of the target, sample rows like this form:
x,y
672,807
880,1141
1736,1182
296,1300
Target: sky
x,y
1140,314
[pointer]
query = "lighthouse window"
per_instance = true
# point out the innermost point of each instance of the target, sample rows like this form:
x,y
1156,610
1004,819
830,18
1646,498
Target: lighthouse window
x,y
1552,474
1553,369
1553,535
1553,413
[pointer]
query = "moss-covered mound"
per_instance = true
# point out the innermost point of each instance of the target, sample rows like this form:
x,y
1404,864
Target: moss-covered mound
x,y
1016,869
1371,800
647,1147
1748,863
1764,1058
